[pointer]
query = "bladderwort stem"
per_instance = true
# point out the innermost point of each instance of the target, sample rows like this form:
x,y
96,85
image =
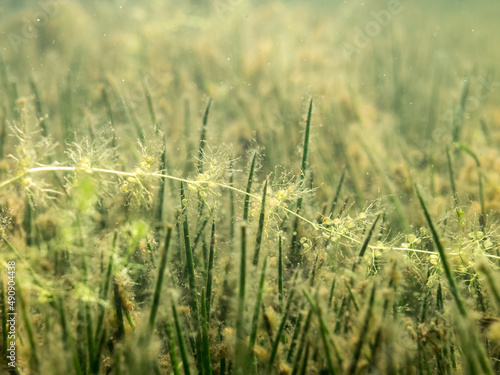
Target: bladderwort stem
x,y
133,174
55,168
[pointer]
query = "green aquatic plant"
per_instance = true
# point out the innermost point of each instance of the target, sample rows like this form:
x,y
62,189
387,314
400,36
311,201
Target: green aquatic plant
x,y
162,219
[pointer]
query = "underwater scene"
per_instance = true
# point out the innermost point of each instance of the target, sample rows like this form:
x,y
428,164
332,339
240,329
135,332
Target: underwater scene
x,y
249,187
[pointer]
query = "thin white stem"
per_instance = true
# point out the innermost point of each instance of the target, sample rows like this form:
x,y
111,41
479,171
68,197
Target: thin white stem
x,y
53,168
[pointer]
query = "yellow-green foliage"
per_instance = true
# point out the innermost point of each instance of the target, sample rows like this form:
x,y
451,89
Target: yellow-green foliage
x,y
359,138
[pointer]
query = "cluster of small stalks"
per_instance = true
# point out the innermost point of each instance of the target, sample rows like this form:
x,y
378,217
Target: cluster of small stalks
x,y
173,280
136,254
